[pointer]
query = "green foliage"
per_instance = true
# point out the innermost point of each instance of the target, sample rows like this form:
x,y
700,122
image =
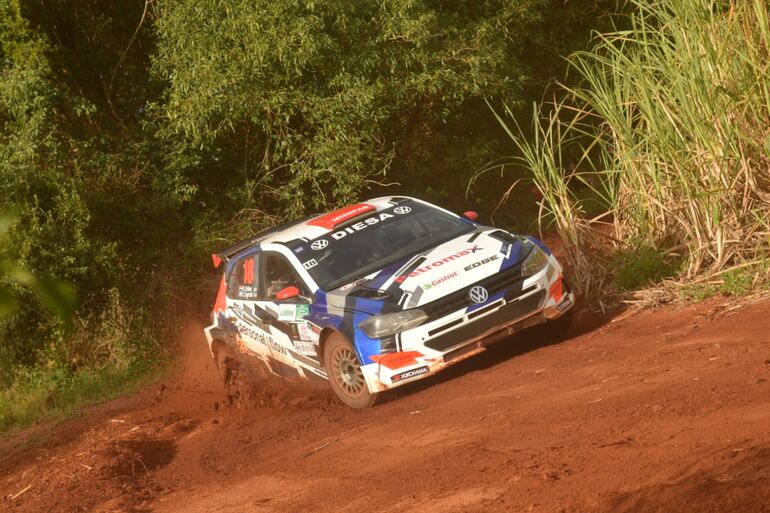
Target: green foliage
x,y
669,127
136,137
44,393
303,104
736,281
645,266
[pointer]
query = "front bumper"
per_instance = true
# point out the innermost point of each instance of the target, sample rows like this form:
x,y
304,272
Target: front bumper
x,y
429,348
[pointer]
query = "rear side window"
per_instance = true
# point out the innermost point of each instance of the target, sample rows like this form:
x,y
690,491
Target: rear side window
x,y
243,282
278,274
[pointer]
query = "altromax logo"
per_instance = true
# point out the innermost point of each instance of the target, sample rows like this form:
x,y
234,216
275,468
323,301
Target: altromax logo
x,y
419,371
437,263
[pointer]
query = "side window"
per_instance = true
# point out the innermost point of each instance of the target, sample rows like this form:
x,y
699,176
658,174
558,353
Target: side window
x,y
242,282
278,274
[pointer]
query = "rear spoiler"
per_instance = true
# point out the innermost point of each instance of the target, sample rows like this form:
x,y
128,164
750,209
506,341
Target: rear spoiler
x,y
236,248
226,254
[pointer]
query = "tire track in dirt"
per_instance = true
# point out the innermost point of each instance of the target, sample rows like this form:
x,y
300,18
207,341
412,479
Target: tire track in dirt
x,y
665,410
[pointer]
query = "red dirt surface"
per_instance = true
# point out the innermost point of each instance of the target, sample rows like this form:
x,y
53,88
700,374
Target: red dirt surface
x,y
659,411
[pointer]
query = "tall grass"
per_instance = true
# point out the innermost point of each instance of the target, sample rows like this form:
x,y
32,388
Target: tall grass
x,y
670,128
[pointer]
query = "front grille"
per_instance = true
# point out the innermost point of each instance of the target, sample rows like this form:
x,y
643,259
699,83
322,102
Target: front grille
x,y
507,313
509,279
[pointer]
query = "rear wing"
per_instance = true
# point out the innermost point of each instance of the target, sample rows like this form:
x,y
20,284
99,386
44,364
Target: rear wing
x,y
226,254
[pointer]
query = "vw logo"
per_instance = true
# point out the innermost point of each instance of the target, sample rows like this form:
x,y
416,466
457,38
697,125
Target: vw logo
x,y
478,294
319,244
402,210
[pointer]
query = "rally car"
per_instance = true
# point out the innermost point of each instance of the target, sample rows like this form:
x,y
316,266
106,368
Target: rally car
x,y
379,294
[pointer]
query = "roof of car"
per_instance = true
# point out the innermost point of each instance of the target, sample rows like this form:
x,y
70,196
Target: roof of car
x,y
318,225
311,227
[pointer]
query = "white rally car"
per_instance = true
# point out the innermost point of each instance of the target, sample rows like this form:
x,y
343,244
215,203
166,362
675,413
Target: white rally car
x,y
381,293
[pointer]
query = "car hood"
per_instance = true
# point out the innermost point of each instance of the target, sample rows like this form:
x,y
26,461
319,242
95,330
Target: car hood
x,y
432,274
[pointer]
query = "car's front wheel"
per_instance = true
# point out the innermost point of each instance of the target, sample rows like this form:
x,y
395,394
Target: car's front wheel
x,y
345,375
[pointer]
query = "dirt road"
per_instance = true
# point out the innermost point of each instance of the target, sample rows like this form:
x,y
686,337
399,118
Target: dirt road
x,y
664,410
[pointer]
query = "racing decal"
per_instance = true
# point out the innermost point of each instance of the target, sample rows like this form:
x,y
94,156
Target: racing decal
x,y
414,298
251,317
441,280
404,297
287,312
263,318
362,225
304,347
395,361
402,210
248,270
307,331
332,219
392,285
319,244
419,371
380,279
475,236
302,311
259,336
418,271
247,291
310,263
480,263
505,250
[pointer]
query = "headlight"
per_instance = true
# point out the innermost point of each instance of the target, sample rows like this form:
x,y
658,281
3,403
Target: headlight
x,y
387,324
534,262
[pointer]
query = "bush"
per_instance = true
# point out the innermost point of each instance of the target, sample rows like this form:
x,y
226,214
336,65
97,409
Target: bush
x,y
645,266
669,125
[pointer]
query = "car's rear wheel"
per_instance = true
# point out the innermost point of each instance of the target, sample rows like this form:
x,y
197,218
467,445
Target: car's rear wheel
x,y
345,375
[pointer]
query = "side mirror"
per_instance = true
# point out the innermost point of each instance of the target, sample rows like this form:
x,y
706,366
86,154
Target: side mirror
x,y
287,293
471,215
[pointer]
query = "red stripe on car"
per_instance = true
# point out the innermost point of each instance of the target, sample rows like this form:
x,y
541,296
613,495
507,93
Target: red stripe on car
x,y
337,217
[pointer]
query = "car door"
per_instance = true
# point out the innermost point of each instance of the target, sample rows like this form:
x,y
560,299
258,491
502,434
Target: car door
x,y
287,298
243,292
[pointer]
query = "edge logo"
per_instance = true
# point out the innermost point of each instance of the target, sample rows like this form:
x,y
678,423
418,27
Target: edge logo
x,y
419,371
480,263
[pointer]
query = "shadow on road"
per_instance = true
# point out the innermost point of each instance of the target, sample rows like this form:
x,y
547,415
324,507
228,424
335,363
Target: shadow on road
x,y
521,343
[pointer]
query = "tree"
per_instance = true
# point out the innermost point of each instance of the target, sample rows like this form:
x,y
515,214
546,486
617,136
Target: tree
x,y
298,105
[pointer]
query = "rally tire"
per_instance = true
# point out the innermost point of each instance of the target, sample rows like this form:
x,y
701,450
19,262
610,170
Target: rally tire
x,y
345,375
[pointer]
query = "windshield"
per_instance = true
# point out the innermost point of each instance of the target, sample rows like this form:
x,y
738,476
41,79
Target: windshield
x,y
357,249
